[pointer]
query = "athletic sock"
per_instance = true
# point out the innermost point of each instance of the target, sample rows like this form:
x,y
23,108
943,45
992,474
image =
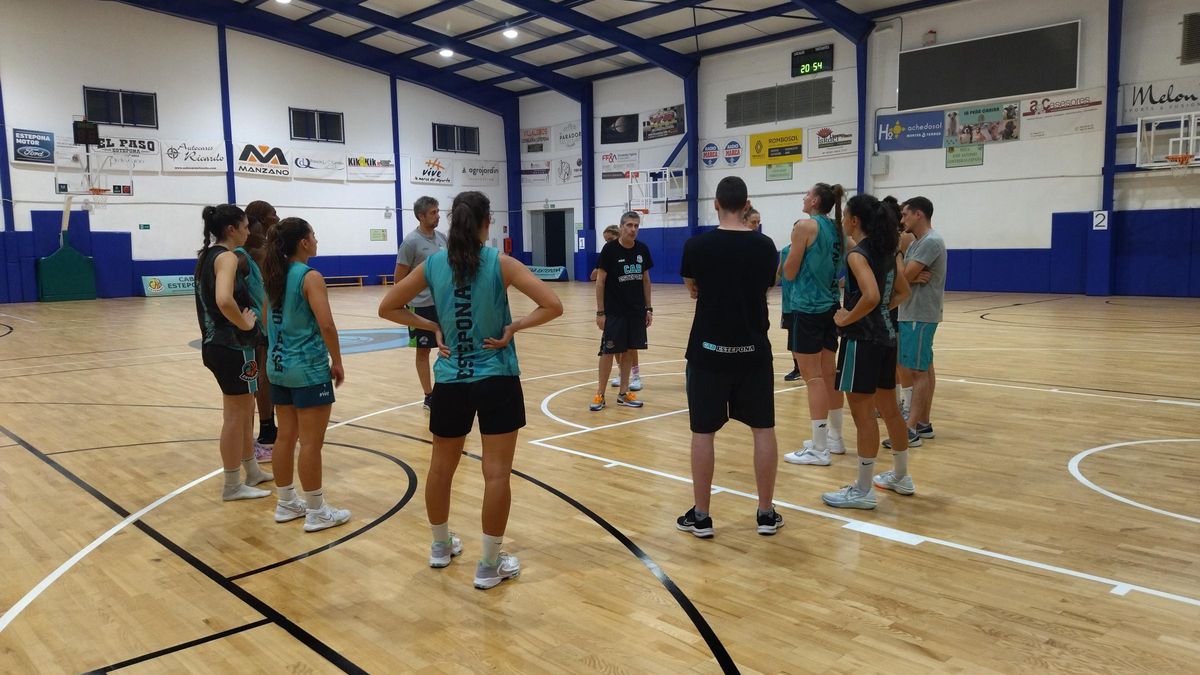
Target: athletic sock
x,y
491,550
820,434
900,467
315,499
700,515
835,423
441,533
906,397
635,371
286,494
233,478
865,468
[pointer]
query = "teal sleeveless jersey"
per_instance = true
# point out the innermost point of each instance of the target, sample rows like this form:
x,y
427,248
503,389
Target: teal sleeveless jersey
x,y
785,285
815,288
254,282
467,315
297,355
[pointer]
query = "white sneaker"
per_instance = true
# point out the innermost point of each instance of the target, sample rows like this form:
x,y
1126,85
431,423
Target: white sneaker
x,y
242,491
808,456
835,446
324,518
440,552
615,382
289,511
635,383
887,481
849,497
487,576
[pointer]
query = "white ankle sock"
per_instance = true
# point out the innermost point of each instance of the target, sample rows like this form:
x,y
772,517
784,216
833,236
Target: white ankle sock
x,y
901,464
820,434
441,533
233,478
315,499
286,494
491,550
865,468
835,423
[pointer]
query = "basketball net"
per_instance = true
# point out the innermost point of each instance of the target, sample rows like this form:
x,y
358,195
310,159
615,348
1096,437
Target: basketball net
x,y
1182,162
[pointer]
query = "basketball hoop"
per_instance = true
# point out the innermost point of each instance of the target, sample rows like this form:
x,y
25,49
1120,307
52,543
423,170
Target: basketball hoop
x,y
97,191
1181,161
644,212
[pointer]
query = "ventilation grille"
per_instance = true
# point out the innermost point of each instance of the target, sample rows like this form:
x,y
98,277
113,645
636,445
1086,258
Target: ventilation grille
x,y
1189,51
808,98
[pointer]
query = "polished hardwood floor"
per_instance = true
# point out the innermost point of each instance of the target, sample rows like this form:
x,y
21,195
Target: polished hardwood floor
x,y
1055,527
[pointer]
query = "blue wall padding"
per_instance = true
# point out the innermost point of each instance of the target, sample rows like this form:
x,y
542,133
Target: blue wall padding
x,y
370,265
1068,252
1194,254
3,269
1152,252
114,264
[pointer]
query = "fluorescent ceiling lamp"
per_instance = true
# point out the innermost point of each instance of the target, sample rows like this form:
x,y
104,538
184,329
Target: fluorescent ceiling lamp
x,y
511,33
446,53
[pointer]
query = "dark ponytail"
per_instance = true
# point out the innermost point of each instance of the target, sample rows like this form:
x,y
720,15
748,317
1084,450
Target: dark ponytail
x,y
261,216
282,241
829,198
893,206
467,217
216,219
879,225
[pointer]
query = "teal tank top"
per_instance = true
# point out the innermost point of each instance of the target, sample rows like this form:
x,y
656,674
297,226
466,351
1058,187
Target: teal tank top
x,y
297,355
785,285
815,288
254,282
467,315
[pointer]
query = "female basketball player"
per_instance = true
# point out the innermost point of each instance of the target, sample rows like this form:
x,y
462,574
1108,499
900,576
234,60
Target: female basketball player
x,y
262,218
476,373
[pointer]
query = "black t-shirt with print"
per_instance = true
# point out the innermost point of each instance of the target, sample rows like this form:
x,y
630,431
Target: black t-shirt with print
x,y
625,268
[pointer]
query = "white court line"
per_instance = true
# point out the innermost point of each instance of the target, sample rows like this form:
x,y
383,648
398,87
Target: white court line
x,y
18,317
1073,467
1118,587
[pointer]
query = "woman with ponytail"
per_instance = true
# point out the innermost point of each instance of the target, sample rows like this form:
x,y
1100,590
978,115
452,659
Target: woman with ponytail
x,y
476,373
302,338
262,218
814,262
229,330
866,368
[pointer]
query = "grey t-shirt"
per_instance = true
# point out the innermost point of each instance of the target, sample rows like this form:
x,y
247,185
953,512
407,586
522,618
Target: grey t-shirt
x,y
413,251
926,302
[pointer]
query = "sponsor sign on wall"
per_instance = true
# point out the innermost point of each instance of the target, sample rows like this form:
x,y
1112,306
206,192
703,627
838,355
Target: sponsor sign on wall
x,y
535,139
568,170
371,166
833,140
618,129
262,160
979,124
615,164
169,285
315,165
662,123
431,171
1160,97
477,173
535,172
964,155
1063,114
193,157
723,153
33,146
127,154
910,131
776,147
568,136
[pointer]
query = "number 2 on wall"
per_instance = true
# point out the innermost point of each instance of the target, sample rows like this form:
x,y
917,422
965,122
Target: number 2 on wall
x,y
1099,220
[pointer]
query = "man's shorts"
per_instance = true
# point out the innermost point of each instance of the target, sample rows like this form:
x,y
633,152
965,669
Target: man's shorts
x,y
623,332
312,396
236,369
498,401
746,395
812,333
865,367
916,344
425,339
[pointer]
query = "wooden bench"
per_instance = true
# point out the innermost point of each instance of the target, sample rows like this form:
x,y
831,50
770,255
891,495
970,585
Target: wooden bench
x,y
345,280
387,279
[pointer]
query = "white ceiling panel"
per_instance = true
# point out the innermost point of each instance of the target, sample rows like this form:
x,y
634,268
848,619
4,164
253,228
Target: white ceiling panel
x,y
547,27
456,21
392,42
518,85
745,35
549,54
396,7
483,72
295,10
438,61
607,10
591,43
341,25
589,69
498,43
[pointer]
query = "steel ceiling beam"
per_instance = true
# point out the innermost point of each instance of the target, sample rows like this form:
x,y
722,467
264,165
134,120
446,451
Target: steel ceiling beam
x,y
851,25
513,22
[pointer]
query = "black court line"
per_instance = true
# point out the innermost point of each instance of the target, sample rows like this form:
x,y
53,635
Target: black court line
x,y
1108,329
132,445
179,647
710,636
1014,304
272,614
5,329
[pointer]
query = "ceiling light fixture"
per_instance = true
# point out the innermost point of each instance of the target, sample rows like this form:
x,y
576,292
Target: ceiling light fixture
x,y
446,53
284,2
511,33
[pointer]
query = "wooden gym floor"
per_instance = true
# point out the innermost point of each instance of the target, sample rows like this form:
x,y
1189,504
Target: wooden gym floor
x,y
1055,527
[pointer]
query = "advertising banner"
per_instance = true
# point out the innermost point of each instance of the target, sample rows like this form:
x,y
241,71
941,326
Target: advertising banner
x,y
33,146
535,172
127,154
169,285
910,131
568,136
193,157
776,147
723,153
371,167
833,140
314,165
662,123
614,165
964,155
430,171
477,173
987,123
534,140
1160,97
262,160
618,129
568,170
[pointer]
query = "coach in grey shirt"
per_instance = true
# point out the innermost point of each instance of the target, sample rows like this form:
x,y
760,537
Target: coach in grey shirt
x,y
925,268
416,247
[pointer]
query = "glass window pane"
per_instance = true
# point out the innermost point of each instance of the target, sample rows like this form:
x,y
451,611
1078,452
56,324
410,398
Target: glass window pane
x,y
138,109
331,127
304,124
443,137
468,139
102,105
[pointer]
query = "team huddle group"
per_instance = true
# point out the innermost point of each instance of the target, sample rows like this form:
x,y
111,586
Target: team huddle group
x,y
259,303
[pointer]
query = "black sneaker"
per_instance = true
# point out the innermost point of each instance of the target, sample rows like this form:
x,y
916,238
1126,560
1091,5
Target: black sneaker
x,y
267,434
701,528
792,376
769,523
425,405
914,439
924,430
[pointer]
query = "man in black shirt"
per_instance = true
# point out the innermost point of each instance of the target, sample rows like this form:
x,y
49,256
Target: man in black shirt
x,y
623,311
729,373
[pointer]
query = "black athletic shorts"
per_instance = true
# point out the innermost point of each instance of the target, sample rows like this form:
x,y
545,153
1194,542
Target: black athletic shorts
x,y
812,333
236,369
623,332
425,339
715,396
865,367
786,322
498,401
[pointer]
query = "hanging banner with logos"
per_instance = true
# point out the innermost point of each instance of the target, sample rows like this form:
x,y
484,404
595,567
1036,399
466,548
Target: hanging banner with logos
x,y
777,147
662,123
127,154
371,167
723,153
169,285
779,172
568,170
1160,97
477,173
964,155
534,140
315,165
430,171
32,146
616,164
979,124
1063,114
262,160
618,129
833,140
568,136
549,273
193,157
910,131
535,172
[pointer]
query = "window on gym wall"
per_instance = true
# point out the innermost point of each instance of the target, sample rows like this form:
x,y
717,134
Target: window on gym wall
x,y
453,138
120,108
807,98
317,125
1189,51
